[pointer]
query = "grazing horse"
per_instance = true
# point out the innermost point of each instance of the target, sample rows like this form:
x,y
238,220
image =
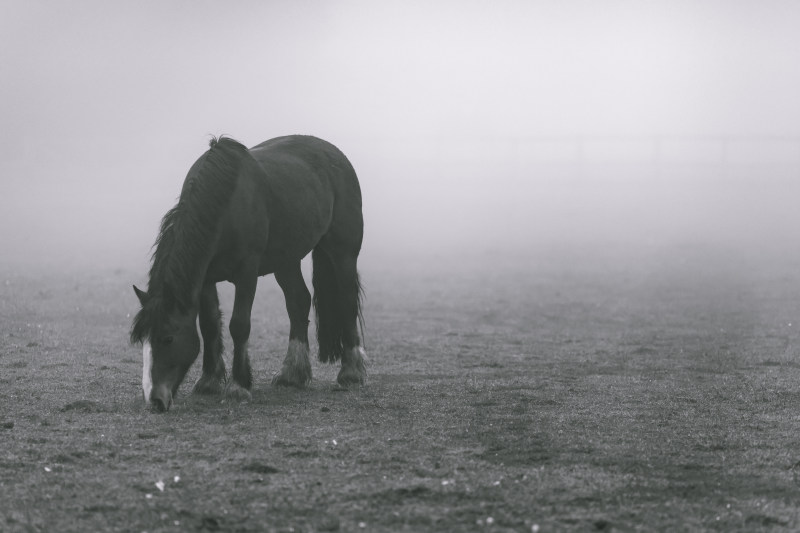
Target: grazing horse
x,y
244,214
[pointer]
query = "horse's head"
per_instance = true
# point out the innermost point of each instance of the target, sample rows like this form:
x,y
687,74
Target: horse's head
x,y
167,331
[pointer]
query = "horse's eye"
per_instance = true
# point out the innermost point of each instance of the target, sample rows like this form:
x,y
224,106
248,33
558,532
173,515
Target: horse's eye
x,y
167,340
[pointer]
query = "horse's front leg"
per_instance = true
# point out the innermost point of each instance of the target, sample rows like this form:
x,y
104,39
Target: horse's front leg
x,y
239,387
213,378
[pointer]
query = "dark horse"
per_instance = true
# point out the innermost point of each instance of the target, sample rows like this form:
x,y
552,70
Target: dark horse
x,y
244,214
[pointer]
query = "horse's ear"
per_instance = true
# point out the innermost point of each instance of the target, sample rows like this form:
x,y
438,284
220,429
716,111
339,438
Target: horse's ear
x,y
143,296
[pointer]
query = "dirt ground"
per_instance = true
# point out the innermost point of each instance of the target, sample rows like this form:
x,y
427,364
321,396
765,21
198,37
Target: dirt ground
x,y
611,388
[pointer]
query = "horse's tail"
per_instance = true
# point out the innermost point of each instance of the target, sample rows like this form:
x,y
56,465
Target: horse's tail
x,y
337,294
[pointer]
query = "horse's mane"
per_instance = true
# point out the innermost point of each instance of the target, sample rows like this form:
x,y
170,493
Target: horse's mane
x,y
186,231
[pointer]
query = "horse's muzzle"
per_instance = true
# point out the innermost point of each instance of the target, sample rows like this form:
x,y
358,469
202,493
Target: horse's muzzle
x,y
160,399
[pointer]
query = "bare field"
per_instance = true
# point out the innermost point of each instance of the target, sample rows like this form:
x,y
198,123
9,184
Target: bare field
x,y
602,389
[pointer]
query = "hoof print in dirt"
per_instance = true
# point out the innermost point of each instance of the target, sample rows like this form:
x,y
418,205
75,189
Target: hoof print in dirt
x,y
83,406
210,523
260,468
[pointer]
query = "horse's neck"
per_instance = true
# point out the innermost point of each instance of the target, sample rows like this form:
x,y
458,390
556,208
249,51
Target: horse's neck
x,y
198,280
187,284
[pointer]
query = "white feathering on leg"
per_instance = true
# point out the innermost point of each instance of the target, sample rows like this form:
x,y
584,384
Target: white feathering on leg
x,y
296,369
297,356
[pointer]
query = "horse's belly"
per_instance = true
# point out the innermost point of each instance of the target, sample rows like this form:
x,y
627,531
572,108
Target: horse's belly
x,y
281,254
220,269
293,233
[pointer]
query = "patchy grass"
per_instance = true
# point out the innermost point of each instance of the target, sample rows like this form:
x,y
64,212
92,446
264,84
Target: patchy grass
x,y
590,390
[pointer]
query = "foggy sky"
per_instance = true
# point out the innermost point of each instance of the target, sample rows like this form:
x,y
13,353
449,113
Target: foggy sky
x,y
105,105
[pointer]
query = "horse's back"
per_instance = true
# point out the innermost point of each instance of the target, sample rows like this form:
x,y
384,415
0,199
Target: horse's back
x,y
320,156
294,162
310,188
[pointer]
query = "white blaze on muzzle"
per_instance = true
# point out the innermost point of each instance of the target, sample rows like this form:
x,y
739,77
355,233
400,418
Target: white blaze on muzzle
x,y
147,370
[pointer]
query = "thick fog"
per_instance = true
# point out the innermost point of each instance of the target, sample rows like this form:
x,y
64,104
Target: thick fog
x,y
473,126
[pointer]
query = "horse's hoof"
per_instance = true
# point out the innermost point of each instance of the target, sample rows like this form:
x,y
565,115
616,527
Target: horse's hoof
x,y
291,379
351,379
209,385
236,392
296,368
354,369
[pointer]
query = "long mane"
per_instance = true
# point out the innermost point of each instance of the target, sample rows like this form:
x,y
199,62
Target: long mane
x,y
187,230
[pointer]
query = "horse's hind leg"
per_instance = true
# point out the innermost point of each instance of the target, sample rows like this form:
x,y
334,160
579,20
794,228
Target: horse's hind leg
x,y
213,378
343,291
354,369
296,369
